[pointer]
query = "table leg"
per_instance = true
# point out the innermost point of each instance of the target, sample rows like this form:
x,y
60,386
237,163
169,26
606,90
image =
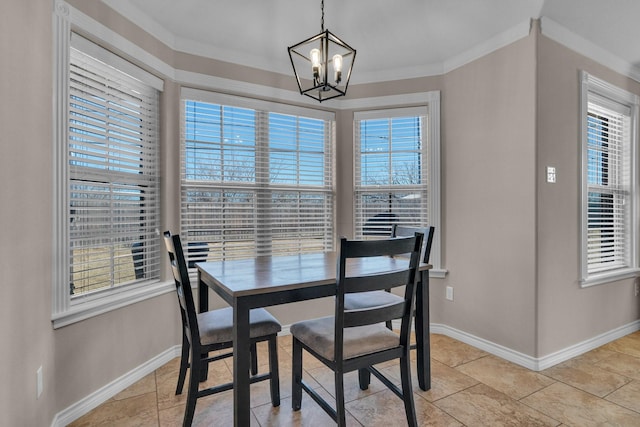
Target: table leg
x,y
203,295
423,344
241,364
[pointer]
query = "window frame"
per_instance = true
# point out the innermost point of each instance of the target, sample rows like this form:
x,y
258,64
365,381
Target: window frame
x,y
65,308
262,185
430,108
601,92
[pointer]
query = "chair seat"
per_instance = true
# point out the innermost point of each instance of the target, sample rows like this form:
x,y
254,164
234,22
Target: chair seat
x,y
370,299
216,326
318,334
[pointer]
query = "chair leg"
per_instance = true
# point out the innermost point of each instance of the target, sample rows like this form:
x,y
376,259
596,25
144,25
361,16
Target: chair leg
x,y
340,411
296,376
364,378
254,359
407,390
274,376
192,394
204,370
184,364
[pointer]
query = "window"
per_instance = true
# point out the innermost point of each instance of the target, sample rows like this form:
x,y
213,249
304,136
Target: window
x,y
391,171
609,231
108,204
397,171
257,178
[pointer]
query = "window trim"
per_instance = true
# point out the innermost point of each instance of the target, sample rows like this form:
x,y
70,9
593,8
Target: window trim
x,y
431,101
598,87
64,311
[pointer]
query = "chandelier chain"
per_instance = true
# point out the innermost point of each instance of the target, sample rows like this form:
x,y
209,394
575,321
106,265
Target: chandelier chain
x,y
322,20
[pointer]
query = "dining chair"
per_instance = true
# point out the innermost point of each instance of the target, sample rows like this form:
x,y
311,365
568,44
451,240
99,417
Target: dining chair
x,y
212,330
358,339
378,298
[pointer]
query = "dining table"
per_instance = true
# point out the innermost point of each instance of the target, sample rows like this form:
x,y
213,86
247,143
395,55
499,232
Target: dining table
x,y
265,281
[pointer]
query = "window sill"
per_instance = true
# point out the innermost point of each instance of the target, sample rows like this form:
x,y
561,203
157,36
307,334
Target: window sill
x,y
438,273
93,308
610,276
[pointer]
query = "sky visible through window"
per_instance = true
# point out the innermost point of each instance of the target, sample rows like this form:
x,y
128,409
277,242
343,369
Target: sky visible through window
x,y
390,151
221,146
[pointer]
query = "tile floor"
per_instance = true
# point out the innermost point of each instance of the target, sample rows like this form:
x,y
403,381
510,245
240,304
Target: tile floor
x,y
469,388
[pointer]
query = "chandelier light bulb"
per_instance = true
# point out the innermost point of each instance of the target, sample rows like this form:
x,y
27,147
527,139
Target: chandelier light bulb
x,y
337,67
315,62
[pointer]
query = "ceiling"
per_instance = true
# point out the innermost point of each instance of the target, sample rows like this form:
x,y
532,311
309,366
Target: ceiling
x,y
394,39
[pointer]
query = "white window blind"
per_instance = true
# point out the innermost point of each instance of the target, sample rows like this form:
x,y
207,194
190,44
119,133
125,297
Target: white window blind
x,y
609,186
113,207
254,181
391,171
609,231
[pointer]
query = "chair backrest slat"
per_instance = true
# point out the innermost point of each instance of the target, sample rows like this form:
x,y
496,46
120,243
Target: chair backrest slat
x,y
374,248
360,317
183,287
376,282
428,231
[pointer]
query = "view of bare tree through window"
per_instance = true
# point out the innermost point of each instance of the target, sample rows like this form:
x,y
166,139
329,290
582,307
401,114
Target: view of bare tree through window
x,y
255,182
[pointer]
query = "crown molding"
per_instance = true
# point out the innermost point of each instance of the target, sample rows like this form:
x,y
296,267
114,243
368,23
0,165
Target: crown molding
x,y
137,17
491,45
98,31
556,32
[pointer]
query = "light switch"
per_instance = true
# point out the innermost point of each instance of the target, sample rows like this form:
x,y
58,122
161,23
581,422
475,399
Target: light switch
x,y
551,174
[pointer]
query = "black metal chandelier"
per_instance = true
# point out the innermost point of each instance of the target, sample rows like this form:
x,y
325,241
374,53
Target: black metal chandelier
x,y
324,62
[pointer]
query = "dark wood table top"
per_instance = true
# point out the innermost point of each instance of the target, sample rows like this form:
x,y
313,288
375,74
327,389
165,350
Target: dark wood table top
x,y
269,274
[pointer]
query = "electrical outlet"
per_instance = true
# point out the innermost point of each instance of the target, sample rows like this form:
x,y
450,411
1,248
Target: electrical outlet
x,y
39,384
635,289
449,293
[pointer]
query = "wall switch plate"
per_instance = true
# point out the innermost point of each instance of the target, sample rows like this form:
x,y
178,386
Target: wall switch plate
x,y
551,174
449,293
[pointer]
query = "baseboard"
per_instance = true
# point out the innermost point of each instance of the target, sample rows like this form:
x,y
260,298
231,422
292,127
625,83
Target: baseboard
x,y
587,345
488,346
530,362
105,393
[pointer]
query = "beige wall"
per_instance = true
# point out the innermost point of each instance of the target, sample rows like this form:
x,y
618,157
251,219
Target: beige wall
x,y
25,191
488,168
510,240
568,314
